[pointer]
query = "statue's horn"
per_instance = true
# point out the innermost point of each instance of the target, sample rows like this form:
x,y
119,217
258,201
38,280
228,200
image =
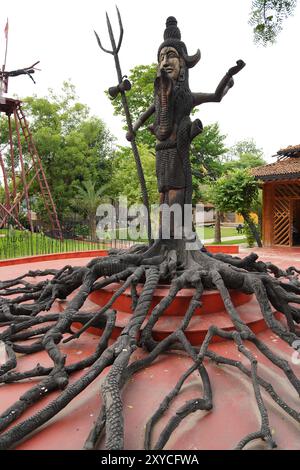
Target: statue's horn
x,y
192,60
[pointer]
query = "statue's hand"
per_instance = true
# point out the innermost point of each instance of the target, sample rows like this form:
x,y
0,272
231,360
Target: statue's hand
x,y
240,64
130,135
230,83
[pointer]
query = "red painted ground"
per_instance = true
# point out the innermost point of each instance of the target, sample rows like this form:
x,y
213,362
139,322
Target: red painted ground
x,y
234,412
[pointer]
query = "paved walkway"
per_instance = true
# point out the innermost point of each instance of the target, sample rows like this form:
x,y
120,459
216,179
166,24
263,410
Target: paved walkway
x,y
282,256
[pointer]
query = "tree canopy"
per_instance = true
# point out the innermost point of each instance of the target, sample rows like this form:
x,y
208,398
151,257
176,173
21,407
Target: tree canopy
x,y
206,159
124,179
267,17
74,146
87,201
237,192
244,154
139,98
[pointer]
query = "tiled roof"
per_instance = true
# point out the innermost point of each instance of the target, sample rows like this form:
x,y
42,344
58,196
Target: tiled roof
x,y
284,168
287,165
292,150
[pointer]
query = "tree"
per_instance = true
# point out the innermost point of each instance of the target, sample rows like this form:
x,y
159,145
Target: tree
x,y
244,154
139,98
267,17
124,179
238,192
246,146
87,200
74,146
206,158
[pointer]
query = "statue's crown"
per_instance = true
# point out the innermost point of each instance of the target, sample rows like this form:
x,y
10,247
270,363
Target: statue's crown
x,y
172,38
172,30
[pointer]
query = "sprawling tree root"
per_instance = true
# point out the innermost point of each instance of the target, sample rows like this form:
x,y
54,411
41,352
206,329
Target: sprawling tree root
x,y
26,328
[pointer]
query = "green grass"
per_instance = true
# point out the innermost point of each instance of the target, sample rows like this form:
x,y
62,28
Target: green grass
x,y
122,234
15,244
209,232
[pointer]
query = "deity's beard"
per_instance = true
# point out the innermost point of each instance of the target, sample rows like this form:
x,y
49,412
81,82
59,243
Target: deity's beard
x,y
164,106
173,101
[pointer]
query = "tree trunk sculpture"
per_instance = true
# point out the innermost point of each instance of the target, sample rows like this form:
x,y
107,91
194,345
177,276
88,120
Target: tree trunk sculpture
x,y
165,261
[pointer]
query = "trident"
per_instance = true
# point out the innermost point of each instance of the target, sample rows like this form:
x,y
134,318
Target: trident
x,y
122,86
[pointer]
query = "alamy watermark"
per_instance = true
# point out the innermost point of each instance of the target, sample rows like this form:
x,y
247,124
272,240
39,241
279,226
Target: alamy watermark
x,y
131,222
296,353
3,353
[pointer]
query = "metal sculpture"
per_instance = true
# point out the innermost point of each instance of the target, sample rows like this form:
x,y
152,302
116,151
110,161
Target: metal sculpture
x,y
5,74
166,262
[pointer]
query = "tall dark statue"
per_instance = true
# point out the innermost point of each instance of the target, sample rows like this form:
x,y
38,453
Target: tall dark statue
x,y
130,343
173,103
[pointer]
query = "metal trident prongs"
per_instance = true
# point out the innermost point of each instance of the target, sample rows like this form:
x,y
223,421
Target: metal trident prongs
x,y
121,88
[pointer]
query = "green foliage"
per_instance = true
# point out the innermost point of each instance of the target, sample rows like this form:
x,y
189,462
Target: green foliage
x,y
16,243
246,146
139,98
267,17
238,192
88,197
73,145
235,192
87,200
2,195
206,153
249,235
244,154
124,180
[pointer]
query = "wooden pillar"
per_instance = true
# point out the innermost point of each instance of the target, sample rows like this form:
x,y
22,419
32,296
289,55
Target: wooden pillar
x,y
268,205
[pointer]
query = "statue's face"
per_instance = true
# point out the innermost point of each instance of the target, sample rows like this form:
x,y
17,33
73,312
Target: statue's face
x,y
169,60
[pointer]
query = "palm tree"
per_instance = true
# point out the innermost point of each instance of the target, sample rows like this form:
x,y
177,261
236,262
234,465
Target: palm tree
x,y
87,200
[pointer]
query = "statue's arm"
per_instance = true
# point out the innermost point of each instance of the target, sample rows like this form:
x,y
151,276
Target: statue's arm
x,y
221,90
141,120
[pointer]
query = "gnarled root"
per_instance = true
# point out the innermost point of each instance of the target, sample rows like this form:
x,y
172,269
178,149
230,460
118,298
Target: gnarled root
x,y
23,304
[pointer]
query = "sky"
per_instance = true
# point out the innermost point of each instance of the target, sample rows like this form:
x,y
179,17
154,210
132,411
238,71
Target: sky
x,y
263,104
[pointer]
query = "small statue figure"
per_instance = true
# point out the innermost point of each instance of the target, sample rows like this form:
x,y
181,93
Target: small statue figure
x,y
173,103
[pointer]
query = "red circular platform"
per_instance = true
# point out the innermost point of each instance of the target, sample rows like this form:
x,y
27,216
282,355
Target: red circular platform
x,y
211,312
234,412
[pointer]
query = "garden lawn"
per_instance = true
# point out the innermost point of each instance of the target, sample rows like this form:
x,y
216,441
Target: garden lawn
x,y
209,232
16,243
